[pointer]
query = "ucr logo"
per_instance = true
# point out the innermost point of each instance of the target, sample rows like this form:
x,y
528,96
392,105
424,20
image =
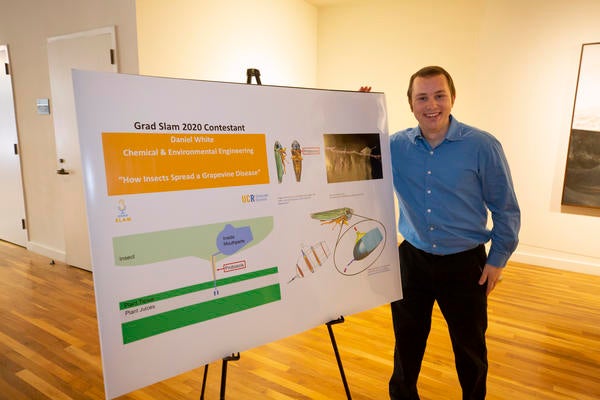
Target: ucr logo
x,y
248,198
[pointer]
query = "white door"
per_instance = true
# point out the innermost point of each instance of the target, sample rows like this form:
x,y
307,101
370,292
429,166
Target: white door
x,y
12,205
92,50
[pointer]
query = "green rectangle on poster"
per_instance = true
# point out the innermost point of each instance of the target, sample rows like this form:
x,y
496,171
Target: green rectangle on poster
x,y
195,288
193,314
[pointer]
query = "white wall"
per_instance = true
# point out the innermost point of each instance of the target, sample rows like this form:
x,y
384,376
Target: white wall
x,y
514,62
214,40
220,39
25,26
515,66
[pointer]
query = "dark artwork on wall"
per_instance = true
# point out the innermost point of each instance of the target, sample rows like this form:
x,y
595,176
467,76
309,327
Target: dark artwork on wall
x,y
582,173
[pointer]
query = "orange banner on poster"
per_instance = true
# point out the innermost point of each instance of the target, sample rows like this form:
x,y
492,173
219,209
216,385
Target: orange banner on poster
x,y
161,162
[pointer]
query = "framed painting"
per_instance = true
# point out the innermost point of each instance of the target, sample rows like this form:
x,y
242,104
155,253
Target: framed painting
x,y
582,173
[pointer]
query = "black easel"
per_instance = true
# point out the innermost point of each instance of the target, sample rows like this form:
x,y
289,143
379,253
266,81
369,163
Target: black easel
x,y
337,354
236,357
250,72
233,357
253,72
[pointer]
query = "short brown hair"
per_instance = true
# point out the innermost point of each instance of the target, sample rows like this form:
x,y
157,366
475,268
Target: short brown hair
x,y
426,72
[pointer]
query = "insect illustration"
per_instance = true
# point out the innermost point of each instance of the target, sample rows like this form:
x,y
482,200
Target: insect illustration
x,y
358,244
280,160
297,159
335,216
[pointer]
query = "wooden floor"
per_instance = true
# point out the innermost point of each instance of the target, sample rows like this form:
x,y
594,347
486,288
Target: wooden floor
x,y
543,340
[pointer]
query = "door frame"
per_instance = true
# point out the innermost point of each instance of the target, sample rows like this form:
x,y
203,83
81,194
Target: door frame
x,y
17,204
76,254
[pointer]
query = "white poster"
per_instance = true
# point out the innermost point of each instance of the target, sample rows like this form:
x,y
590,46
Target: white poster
x,y
225,216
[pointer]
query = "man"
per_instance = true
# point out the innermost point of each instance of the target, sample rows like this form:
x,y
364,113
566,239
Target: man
x,y
447,175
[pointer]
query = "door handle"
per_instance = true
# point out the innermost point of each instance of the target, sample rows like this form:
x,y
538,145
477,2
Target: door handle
x,y
62,171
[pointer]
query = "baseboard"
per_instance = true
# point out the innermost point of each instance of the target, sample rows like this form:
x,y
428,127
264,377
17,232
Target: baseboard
x,y
54,254
557,260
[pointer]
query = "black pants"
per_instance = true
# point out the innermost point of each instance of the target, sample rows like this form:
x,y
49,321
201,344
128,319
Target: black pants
x,y
452,281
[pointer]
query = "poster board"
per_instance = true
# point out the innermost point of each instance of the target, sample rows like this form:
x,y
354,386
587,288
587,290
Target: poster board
x,y
225,216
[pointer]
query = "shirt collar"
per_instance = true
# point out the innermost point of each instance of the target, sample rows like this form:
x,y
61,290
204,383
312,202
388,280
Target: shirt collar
x,y
454,132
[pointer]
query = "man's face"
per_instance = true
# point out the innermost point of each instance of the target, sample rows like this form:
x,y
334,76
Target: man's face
x,y
431,103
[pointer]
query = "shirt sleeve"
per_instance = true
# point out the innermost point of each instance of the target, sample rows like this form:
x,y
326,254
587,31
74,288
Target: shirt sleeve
x,y
501,200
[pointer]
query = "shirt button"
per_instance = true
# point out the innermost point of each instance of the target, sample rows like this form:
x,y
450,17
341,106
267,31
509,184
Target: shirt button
x,y
431,152
429,210
434,246
431,228
428,172
428,191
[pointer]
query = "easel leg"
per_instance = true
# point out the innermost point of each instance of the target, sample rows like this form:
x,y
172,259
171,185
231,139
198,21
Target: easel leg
x,y
232,357
204,382
337,354
223,378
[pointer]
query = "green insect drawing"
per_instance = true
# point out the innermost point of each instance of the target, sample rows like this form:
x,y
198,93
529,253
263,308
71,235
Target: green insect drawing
x,y
335,216
280,160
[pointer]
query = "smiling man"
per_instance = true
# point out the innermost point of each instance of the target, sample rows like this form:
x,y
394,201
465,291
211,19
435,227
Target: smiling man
x,y
447,175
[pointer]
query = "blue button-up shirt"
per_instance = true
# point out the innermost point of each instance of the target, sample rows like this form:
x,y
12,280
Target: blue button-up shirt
x,y
444,192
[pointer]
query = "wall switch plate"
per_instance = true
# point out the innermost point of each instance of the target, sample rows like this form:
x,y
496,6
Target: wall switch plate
x,y
43,106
